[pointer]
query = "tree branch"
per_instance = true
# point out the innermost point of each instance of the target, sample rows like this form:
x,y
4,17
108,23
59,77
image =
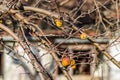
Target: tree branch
x,y
75,28
19,17
34,61
113,60
42,11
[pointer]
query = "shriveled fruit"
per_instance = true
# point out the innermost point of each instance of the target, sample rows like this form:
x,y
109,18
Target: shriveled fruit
x,y
58,23
73,64
66,61
83,36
